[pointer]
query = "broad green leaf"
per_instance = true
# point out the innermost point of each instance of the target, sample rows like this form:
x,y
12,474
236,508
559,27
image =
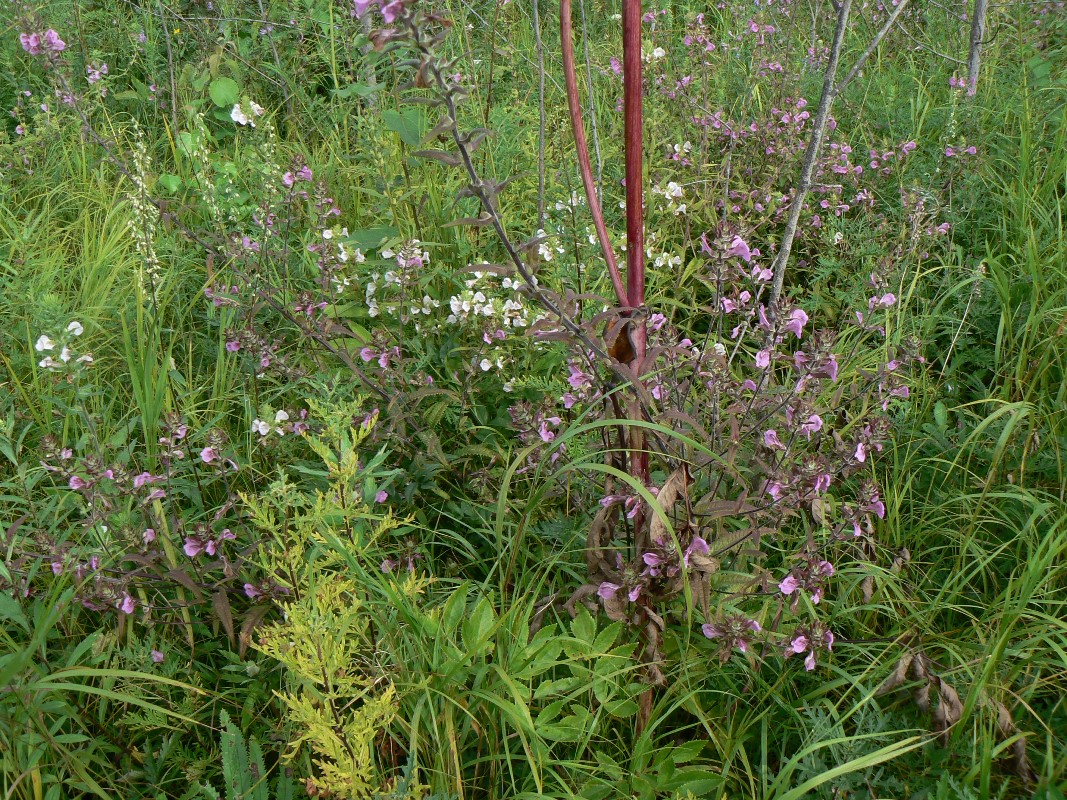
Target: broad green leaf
x,y
224,92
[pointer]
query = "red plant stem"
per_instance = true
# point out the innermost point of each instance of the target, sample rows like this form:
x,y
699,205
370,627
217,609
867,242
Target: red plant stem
x,y
573,104
635,225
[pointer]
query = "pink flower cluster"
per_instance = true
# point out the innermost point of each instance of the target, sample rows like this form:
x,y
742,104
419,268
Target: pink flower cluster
x,y
37,44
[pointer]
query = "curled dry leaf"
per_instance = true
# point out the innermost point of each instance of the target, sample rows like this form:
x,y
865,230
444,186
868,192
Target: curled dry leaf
x,y
949,708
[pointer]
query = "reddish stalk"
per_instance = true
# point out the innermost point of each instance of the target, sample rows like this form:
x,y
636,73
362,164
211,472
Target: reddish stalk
x,y
574,106
635,226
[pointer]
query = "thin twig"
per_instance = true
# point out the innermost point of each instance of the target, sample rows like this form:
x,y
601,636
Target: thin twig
x,y
574,106
810,156
541,116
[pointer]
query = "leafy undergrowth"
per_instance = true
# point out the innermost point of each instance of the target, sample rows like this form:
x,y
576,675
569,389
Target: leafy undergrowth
x,y
314,481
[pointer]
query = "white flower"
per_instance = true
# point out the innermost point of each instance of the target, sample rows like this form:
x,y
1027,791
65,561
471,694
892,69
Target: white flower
x,y
76,328
257,109
260,427
86,359
238,115
486,365
65,354
49,363
43,343
281,416
659,52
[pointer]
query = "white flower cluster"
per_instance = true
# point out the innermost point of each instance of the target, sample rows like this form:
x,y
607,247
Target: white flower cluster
x,y
343,255
473,302
65,356
410,258
668,260
655,55
145,219
672,195
544,249
246,113
574,201
264,428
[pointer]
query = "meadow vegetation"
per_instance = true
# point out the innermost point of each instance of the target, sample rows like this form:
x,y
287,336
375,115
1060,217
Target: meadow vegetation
x,y
330,465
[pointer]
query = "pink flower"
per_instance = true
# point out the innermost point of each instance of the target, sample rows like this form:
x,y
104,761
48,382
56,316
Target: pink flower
x,y
142,479
607,590
208,454
813,425
361,7
381,497
76,482
31,43
288,179
789,585
796,322
233,346
127,605
149,535
770,439
194,546
799,644
861,452
577,378
822,483
367,354
157,656
53,42
763,359
252,592
304,173
809,662
392,10
738,247
155,494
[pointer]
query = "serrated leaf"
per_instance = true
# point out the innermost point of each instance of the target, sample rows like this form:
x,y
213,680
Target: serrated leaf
x,y
583,626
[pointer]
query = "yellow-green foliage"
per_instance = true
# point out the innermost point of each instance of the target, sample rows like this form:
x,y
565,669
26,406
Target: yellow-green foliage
x,y
339,699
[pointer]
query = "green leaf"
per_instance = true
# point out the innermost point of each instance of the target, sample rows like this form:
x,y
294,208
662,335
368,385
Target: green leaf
x,y
224,92
583,626
479,626
405,124
357,90
170,182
